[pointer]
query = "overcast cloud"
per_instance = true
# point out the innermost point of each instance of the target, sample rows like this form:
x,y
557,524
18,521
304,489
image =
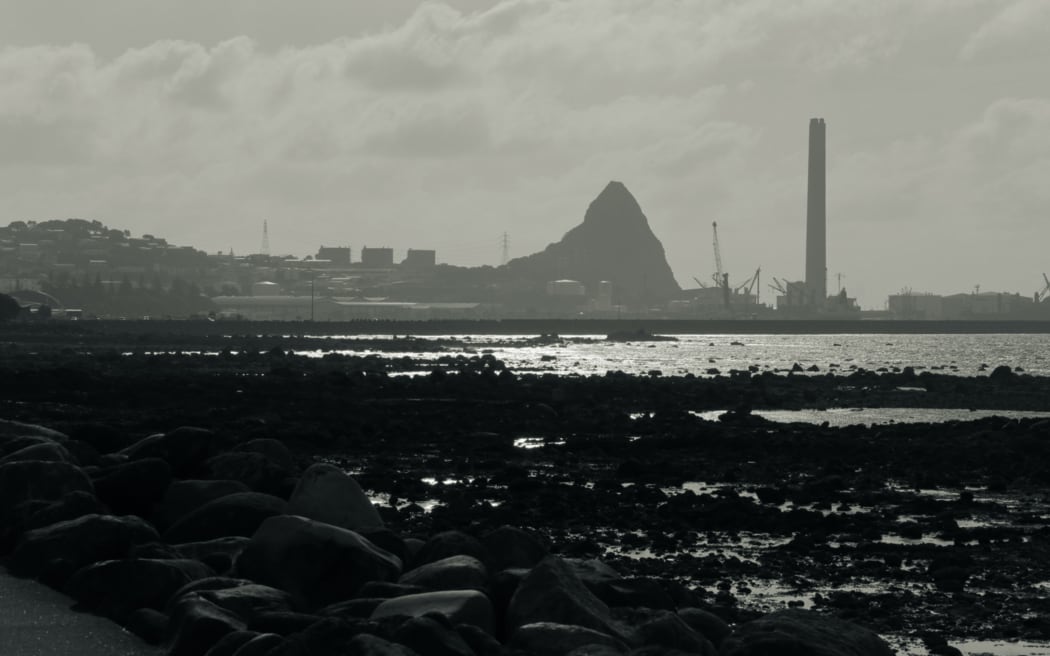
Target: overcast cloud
x,y
442,125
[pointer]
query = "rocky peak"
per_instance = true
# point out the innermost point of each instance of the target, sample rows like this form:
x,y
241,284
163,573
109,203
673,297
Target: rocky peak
x,y
613,243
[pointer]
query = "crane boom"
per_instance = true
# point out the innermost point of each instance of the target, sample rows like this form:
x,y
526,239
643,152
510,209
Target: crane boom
x,y
719,271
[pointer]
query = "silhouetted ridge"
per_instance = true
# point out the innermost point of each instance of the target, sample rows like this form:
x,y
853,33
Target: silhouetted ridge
x,y
613,243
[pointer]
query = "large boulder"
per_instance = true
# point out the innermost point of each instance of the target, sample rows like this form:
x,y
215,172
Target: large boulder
x,y
133,487
459,606
260,645
231,515
511,547
319,564
199,624
70,506
552,592
665,629
44,451
706,623
9,429
803,632
255,470
218,554
336,637
328,495
184,448
551,639
275,450
250,600
183,497
366,644
53,553
452,573
114,588
428,636
38,480
450,543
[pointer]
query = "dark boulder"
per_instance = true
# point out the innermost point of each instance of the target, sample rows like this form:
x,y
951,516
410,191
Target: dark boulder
x,y
45,451
218,554
480,640
706,623
452,573
205,584
664,629
366,644
183,497
260,645
459,606
552,639
275,450
250,600
388,590
184,448
70,506
198,625
429,637
231,515
450,543
330,637
36,480
508,547
803,632
147,623
553,592
257,472
231,642
326,494
53,553
317,563
281,622
115,588
10,429
132,488
635,591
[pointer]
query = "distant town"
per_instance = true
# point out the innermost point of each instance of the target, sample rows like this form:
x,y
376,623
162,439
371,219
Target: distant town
x,y
80,269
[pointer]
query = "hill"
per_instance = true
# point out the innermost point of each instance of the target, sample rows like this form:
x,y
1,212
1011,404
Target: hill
x,y
613,243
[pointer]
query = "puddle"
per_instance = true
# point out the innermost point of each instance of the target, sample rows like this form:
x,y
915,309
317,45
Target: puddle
x,y
536,442
838,417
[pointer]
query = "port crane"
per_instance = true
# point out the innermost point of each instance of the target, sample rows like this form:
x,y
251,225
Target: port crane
x,y
1044,292
752,285
721,277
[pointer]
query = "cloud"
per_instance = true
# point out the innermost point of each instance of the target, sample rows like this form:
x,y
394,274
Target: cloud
x,y
1020,28
512,116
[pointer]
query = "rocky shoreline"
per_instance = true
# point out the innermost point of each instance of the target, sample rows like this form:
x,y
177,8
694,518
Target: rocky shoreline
x,y
530,513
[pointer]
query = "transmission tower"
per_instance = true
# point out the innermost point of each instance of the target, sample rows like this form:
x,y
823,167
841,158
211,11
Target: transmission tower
x,y
506,248
265,250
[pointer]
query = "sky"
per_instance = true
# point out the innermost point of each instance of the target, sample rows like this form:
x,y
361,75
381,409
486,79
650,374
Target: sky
x,y
446,124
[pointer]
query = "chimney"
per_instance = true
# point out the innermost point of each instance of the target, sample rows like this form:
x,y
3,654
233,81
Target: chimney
x,y
816,218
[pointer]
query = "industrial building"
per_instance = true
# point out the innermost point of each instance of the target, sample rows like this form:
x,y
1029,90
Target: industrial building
x,y
377,257
335,255
420,259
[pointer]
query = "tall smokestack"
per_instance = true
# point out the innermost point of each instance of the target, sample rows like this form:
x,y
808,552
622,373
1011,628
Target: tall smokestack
x,y
816,218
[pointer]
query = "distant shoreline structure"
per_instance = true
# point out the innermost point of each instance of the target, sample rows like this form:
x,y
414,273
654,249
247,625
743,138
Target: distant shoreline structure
x,y
599,327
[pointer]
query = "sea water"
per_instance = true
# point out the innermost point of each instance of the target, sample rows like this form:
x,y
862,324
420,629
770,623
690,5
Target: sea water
x,y
954,354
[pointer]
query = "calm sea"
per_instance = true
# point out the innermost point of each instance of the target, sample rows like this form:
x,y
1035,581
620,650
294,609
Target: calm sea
x,y
956,354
